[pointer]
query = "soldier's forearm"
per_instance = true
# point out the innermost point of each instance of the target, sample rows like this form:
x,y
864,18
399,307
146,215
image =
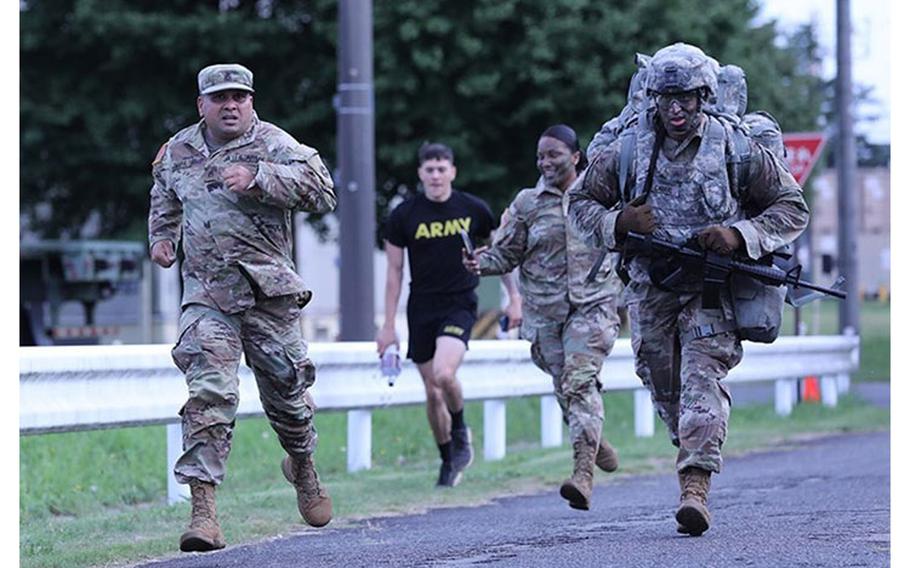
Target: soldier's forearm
x,y
493,262
165,217
295,186
392,294
778,224
594,223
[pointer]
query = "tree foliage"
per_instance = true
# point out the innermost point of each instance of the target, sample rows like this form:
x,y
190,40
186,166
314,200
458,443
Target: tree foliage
x,y
104,84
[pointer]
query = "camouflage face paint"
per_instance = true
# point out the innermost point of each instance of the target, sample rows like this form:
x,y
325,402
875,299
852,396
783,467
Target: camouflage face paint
x,y
556,162
678,113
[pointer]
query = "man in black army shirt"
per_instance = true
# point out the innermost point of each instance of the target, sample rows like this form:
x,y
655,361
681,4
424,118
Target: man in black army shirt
x,y
442,304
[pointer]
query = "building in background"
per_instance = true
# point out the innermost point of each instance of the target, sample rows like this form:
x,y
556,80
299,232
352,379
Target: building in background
x,y
874,226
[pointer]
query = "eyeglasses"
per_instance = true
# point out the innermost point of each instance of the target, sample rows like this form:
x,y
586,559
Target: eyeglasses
x,y
236,96
684,100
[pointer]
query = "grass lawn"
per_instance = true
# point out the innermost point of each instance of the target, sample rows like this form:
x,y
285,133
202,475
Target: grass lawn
x,y
821,318
98,498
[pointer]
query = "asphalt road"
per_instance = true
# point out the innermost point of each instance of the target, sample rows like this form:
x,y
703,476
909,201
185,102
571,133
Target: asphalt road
x,y
824,502
877,393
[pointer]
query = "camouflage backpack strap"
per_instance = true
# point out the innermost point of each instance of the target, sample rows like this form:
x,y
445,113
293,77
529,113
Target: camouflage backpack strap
x,y
626,157
739,154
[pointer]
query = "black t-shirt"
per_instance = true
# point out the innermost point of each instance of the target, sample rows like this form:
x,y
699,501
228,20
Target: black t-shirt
x,y
430,232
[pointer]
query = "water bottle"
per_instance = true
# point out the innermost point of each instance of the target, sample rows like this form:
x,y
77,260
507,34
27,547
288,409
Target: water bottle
x,y
390,364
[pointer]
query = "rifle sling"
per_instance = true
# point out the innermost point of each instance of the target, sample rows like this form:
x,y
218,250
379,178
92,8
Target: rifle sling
x,y
597,264
649,179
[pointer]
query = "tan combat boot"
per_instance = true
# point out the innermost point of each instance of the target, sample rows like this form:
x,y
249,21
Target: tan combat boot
x,y
313,500
693,516
204,532
577,489
606,459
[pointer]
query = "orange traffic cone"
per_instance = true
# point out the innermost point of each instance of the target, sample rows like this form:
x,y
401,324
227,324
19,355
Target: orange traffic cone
x,y
811,391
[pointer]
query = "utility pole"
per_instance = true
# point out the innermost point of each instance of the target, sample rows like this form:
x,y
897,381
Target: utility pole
x,y
357,169
846,174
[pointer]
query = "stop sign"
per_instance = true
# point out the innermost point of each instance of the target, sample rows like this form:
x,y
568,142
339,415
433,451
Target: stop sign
x,y
803,150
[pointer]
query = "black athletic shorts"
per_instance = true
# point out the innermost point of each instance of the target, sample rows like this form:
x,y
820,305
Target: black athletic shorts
x,y
433,315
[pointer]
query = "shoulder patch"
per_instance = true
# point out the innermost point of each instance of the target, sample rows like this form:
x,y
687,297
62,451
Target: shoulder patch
x,y
160,155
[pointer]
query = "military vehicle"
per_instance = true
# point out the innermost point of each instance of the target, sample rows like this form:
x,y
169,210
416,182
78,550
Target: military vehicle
x,y
52,272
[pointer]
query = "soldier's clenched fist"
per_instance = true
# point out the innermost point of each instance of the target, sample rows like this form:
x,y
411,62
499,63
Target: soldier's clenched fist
x,y
722,240
237,178
163,253
638,218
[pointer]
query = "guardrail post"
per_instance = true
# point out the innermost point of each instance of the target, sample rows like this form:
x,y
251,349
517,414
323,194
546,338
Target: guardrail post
x,y
494,429
550,422
644,414
784,396
146,303
829,390
176,492
360,439
167,302
843,383
843,380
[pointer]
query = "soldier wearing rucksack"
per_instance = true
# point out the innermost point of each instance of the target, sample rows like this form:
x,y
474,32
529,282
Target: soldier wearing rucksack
x,y
694,175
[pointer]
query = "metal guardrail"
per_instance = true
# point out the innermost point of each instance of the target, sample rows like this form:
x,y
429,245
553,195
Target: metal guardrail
x,y
71,388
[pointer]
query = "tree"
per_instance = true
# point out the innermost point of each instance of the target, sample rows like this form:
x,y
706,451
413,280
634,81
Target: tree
x,y
104,84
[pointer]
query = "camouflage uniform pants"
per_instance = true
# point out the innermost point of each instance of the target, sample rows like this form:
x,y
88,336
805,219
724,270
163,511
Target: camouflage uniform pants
x,y
208,352
685,378
573,352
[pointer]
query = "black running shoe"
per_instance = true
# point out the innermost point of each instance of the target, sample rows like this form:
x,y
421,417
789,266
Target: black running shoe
x,y
448,477
462,449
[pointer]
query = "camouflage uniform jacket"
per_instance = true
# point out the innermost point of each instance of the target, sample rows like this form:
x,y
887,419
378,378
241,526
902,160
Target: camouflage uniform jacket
x,y
235,242
690,192
554,262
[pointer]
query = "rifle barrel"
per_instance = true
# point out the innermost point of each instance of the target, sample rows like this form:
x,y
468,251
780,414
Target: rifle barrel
x,y
780,277
841,294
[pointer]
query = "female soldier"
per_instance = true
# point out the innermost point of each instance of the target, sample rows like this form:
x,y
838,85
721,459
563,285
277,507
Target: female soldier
x,y
568,297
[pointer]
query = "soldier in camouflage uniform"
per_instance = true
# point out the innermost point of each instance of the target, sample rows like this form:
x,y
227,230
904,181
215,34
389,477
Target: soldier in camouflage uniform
x,y
228,186
681,188
568,302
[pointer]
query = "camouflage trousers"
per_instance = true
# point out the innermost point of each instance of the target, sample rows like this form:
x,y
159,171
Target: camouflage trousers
x,y
685,377
208,351
573,352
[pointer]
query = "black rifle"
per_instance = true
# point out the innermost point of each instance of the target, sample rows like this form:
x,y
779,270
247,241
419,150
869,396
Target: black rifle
x,y
691,259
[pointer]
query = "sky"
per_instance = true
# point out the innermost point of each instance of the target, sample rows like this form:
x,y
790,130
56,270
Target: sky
x,y
871,47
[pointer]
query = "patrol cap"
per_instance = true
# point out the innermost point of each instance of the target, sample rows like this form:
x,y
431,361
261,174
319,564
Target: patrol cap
x,y
224,76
